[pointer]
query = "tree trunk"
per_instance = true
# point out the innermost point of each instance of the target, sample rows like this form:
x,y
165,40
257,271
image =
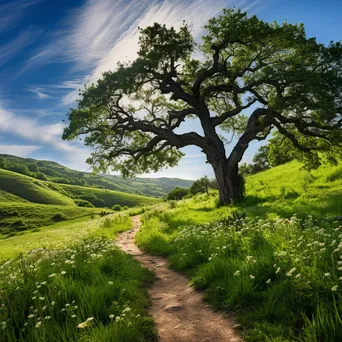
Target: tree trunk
x,y
229,182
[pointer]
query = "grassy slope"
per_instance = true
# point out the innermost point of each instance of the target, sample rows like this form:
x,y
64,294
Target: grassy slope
x,y
287,189
155,187
82,280
108,196
31,189
63,233
36,215
286,306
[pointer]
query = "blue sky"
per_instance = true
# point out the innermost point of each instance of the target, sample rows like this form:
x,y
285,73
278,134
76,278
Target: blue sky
x,y
50,49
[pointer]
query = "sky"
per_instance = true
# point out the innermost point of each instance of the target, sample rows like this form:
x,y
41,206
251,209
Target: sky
x,y
50,49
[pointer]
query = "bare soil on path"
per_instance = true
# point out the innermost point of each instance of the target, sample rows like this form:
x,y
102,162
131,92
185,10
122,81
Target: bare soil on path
x,y
179,312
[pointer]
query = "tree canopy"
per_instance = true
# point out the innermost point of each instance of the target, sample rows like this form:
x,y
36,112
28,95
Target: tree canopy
x,y
252,78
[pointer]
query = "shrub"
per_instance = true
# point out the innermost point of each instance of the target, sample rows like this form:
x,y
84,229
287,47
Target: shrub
x,y
33,167
177,194
41,176
83,203
335,175
125,207
19,224
92,199
116,207
59,217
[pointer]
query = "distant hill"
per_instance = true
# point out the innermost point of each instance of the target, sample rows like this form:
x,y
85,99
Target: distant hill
x,y
27,203
56,173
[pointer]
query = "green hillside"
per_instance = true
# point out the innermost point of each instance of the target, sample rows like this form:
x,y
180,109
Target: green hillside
x,y
17,217
30,189
27,203
54,172
107,197
288,189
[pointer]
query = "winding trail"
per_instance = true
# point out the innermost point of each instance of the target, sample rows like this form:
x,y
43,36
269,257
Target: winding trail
x,y
178,310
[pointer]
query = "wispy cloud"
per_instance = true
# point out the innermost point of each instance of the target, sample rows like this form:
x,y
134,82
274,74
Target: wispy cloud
x,y
103,32
19,43
18,150
12,11
32,130
40,92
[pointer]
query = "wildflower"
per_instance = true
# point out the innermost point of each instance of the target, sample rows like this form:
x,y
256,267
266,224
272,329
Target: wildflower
x,y
289,273
86,323
44,308
31,316
334,288
38,325
252,276
73,316
3,325
298,276
111,316
52,275
110,283
47,317
268,281
41,298
53,303
237,273
327,274
34,298
63,272
278,270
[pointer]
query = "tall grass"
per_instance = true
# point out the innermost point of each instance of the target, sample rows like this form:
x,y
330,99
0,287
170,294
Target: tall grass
x,y
281,276
89,291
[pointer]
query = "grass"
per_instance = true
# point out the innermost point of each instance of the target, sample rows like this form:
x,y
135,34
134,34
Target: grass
x,y
30,189
281,274
109,197
89,291
36,215
60,234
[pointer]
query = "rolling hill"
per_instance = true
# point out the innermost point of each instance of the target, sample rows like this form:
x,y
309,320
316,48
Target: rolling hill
x,y
54,172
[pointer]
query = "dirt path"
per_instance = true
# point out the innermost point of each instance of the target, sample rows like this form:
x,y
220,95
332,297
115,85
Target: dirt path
x,y
178,309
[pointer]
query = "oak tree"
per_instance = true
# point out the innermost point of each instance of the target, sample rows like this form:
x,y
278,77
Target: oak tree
x,y
247,77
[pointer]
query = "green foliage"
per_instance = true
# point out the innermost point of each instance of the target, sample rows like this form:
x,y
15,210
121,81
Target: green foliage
x,y
200,186
58,217
177,194
52,302
41,176
273,68
90,197
116,207
33,167
83,203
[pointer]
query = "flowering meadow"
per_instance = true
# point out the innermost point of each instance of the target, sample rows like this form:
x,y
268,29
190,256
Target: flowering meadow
x,y
282,277
89,291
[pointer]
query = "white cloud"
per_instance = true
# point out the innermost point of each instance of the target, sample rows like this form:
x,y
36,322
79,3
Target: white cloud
x,y
40,92
22,40
13,11
32,130
19,150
